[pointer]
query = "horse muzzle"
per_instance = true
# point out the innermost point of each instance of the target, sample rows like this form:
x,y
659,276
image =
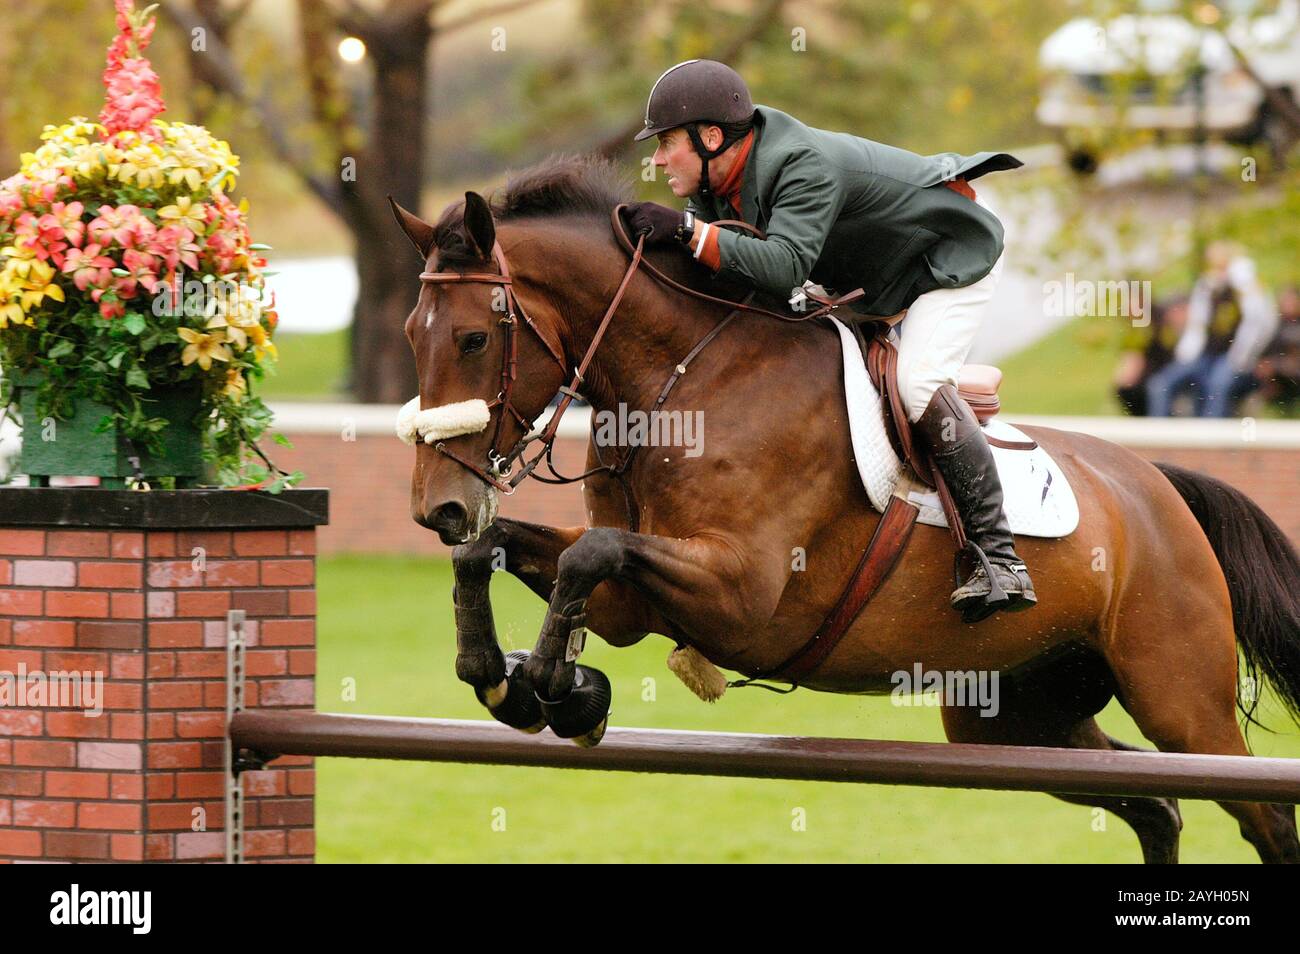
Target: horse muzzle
x,y
456,522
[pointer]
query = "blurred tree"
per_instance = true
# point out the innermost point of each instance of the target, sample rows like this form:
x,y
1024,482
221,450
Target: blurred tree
x,y
1098,228
921,74
917,74
350,162
43,68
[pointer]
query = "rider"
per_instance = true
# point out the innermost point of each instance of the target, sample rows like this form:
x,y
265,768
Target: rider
x,y
847,212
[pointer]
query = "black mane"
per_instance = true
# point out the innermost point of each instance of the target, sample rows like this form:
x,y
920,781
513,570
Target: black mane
x,y
563,185
559,185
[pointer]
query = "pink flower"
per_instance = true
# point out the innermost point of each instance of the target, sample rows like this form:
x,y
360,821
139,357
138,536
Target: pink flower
x,y
125,225
224,249
44,236
88,268
226,213
142,269
11,200
65,219
175,244
133,94
133,99
44,186
142,233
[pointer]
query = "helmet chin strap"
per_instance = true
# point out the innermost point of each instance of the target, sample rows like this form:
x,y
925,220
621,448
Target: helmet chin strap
x,y
705,155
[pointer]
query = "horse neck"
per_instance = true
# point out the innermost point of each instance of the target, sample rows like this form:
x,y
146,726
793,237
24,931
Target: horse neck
x,y
579,271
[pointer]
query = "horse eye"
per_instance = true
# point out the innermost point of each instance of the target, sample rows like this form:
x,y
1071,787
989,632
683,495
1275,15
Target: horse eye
x,y
475,342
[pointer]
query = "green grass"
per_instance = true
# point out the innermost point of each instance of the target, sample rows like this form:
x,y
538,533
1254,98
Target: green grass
x,y
1067,372
386,627
312,367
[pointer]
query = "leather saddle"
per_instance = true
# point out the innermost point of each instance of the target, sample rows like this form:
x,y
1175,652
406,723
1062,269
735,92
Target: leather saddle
x,y
977,385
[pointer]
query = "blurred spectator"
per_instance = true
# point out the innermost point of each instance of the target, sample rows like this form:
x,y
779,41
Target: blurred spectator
x,y
1230,320
1279,369
1148,346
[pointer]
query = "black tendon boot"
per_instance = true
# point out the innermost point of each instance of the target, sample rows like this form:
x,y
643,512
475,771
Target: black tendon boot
x,y
962,454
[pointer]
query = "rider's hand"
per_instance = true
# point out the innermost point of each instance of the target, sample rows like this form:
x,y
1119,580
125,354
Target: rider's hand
x,y
658,220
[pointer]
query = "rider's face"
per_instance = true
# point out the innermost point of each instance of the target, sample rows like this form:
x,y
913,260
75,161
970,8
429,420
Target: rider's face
x,y
676,156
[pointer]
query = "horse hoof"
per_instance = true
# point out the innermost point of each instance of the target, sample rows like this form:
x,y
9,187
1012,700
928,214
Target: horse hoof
x,y
514,702
582,713
593,737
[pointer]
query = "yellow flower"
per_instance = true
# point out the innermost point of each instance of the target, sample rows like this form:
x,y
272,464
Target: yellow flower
x,y
143,166
188,176
39,272
12,314
22,260
33,295
262,343
233,332
28,280
235,383
203,348
245,309
76,131
185,212
87,162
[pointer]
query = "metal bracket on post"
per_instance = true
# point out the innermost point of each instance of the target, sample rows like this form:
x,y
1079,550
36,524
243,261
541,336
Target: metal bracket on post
x,y
235,672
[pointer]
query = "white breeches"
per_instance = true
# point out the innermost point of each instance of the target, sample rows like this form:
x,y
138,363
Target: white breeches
x,y
936,336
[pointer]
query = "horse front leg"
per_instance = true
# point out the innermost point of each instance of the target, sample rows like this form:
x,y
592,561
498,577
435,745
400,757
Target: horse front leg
x,y
531,552
699,579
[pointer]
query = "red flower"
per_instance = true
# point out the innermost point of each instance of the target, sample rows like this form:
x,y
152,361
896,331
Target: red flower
x,y
109,309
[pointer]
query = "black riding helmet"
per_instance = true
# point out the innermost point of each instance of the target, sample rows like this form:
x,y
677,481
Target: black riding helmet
x,y
697,91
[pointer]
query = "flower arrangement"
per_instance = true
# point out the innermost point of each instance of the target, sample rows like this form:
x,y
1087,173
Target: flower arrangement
x,y
126,268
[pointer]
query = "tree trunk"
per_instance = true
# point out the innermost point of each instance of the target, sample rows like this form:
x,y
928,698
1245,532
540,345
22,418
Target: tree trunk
x,y
383,368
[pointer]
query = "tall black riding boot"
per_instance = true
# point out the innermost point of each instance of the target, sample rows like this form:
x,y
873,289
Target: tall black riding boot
x,y
962,454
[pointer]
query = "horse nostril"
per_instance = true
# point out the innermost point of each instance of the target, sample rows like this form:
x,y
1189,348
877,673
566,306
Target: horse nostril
x,y
451,516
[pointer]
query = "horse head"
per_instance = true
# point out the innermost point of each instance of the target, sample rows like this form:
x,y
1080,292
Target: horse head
x,y
483,378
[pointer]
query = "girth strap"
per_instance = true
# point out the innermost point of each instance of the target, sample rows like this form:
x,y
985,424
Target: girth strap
x,y
878,561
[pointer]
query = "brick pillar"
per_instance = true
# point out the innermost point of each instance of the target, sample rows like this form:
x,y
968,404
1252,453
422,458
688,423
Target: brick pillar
x,y
135,587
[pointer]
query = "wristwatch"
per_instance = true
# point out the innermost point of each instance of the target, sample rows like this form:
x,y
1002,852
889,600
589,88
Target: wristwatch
x,y
686,231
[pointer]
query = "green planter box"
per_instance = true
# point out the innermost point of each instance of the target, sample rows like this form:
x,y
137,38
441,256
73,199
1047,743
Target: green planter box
x,y
77,451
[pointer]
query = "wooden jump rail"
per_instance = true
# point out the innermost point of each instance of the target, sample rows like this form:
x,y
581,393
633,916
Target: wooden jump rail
x,y
257,736
266,734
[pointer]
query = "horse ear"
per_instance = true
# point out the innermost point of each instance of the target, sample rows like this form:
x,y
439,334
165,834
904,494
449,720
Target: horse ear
x,y
417,230
479,226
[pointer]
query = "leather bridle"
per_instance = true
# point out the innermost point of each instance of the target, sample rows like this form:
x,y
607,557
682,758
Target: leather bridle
x,y
497,472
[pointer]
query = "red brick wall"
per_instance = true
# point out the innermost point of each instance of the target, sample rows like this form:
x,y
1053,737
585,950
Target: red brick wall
x,y
370,478
1269,476
138,608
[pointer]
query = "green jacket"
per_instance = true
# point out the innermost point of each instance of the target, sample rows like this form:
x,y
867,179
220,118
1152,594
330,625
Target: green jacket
x,y
851,213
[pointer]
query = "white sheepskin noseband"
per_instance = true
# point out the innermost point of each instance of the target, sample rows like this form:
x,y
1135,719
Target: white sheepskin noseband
x,y
437,423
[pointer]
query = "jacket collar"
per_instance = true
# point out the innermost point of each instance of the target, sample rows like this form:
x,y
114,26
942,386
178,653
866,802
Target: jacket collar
x,y
753,168
749,190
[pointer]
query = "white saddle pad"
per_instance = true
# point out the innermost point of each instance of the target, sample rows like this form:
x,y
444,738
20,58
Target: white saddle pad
x,y
1038,499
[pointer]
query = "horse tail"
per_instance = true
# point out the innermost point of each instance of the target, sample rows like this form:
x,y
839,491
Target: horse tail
x,y
1263,574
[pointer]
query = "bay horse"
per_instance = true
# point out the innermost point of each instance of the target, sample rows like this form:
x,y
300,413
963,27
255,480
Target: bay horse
x,y
1168,575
